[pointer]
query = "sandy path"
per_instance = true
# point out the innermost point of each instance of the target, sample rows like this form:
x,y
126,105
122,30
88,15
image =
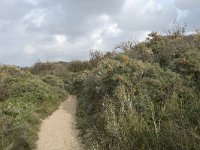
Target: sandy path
x,y
58,131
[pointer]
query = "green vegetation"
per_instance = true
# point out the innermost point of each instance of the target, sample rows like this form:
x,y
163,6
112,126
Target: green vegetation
x,y
145,97
24,100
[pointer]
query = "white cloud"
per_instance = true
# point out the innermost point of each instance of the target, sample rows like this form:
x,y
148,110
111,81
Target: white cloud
x,y
36,17
105,17
61,39
113,29
34,2
29,50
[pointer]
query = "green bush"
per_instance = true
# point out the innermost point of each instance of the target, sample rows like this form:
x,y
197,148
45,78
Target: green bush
x,y
54,81
25,100
78,66
128,103
48,68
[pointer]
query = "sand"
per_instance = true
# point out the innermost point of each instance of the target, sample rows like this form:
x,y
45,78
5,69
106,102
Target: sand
x,y
58,131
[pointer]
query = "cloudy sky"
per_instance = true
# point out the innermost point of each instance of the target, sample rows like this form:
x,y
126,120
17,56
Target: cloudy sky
x,y
51,30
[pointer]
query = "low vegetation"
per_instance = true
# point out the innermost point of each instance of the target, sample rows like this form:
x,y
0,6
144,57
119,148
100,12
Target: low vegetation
x,y
143,96
25,99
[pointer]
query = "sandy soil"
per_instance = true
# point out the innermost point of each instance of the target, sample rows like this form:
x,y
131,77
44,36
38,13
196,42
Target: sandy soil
x,y
58,131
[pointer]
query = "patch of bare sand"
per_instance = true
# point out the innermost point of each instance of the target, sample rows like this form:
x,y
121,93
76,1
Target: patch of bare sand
x,y
58,131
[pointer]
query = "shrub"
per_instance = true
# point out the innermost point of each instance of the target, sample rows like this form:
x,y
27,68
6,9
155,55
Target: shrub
x,y
53,81
24,100
137,105
48,68
78,66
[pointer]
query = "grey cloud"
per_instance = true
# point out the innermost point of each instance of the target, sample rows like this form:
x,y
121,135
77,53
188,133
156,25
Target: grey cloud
x,y
86,7
191,9
68,29
13,9
187,4
75,17
192,20
150,17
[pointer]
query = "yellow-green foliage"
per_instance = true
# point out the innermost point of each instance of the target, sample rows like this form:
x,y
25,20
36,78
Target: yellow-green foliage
x,y
78,66
65,72
48,68
140,101
24,100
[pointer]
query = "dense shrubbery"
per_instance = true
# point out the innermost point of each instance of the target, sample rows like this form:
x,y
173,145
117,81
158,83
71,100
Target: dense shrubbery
x,y
65,71
79,66
24,100
147,97
57,69
144,97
